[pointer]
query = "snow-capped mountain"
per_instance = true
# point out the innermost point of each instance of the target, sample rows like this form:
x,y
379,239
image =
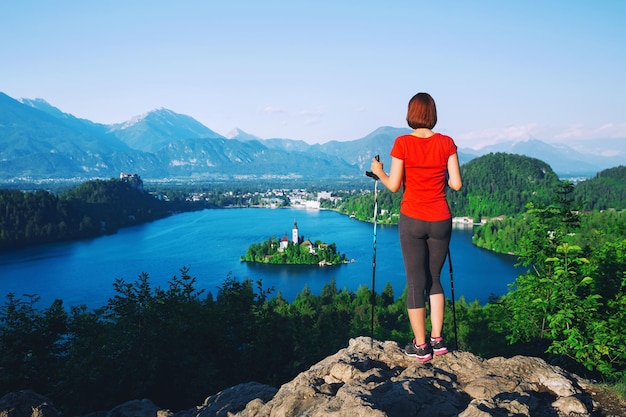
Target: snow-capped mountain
x,y
240,135
154,130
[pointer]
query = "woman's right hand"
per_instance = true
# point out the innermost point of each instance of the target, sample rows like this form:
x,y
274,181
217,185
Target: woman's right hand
x,y
376,167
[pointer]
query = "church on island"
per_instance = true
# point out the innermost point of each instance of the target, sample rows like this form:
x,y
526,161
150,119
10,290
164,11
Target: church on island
x,y
296,250
297,240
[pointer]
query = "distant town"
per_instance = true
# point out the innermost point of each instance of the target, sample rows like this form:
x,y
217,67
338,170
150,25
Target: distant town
x,y
276,198
302,199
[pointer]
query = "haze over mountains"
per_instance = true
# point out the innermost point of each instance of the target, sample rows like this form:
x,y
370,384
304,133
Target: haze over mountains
x,y
40,141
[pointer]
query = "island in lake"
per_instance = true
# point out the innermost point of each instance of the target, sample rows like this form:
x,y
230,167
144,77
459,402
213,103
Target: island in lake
x,y
294,251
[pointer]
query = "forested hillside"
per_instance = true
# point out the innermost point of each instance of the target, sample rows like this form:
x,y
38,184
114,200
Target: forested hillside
x,y
501,184
361,206
505,235
607,190
600,202
91,209
493,185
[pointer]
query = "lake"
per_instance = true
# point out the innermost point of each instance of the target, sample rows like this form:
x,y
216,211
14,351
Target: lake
x,y
210,243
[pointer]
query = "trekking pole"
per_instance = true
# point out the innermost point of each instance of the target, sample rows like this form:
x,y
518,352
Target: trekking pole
x,y
456,340
373,296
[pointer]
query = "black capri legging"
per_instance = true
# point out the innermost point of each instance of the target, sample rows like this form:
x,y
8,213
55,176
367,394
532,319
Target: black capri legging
x,y
424,249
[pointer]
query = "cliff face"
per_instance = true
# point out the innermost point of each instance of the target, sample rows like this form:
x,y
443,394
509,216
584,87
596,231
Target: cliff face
x,y
377,379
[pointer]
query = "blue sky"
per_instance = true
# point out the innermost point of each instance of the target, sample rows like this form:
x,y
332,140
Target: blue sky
x,y
327,70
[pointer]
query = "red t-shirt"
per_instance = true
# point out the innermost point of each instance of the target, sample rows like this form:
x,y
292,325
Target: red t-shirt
x,y
425,179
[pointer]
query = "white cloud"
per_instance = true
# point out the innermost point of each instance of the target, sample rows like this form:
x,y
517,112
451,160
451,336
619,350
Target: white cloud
x,y
310,113
547,133
310,117
605,131
479,138
274,109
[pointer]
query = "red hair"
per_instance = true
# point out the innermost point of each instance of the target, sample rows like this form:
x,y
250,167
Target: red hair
x,y
422,112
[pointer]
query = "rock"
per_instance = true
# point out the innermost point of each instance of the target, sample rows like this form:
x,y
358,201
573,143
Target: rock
x,y
235,399
376,379
138,408
570,406
380,380
26,403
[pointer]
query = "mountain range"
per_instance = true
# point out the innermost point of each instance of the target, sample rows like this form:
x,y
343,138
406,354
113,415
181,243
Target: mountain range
x,y
39,141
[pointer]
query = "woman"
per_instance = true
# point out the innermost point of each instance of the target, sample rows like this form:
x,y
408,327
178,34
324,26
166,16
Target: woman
x,y
424,162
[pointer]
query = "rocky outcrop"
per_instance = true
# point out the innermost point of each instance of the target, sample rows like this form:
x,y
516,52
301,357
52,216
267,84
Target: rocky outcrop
x,y
26,403
380,380
376,379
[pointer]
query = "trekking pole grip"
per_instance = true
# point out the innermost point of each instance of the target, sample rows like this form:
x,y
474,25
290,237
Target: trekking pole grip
x,y
370,173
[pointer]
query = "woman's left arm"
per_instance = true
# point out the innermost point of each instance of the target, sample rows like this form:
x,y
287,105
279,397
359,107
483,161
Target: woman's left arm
x,y
454,173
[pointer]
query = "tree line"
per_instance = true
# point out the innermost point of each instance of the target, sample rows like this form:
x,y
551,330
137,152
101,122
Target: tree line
x,y
493,185
177,345
92,209
570,301
496,185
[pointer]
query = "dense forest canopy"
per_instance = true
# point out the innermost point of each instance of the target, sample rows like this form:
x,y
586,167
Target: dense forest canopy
x,y
607,190
501,184
599,202
497,185
91,209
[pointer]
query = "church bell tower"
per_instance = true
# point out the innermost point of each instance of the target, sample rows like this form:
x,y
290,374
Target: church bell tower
x,y
294,232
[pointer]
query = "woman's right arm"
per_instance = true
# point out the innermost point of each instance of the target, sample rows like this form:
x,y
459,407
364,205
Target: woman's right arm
x,y
454,173
393,181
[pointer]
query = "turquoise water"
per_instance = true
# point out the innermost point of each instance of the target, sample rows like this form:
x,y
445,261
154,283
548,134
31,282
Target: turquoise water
x,y
211,242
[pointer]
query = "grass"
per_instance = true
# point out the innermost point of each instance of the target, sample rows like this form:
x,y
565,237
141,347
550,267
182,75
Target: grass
x,y
619,388
612,398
